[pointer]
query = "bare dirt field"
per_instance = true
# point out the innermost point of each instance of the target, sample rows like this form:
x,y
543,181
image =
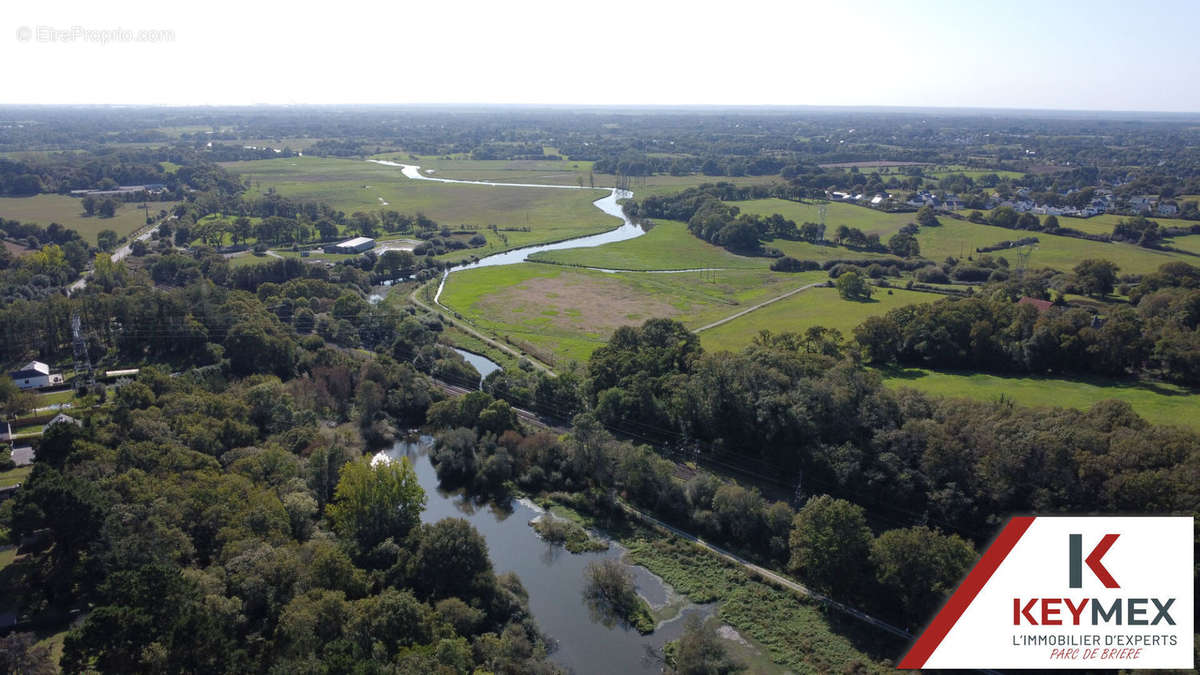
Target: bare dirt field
x,y
575,303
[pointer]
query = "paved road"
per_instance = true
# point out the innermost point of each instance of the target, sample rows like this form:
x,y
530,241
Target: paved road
x,y
119,254
760,305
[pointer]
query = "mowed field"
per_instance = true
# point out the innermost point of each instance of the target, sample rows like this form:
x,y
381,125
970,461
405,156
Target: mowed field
x,y
814,307
556,172
667,246
68,212
354,185
1101,224
960,238
1156,402
559,313
1190,243
865,219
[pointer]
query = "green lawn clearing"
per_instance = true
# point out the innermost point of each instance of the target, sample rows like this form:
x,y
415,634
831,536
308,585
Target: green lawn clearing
x,y
68,212
667,246
524,216
559,313
1156,402
815,307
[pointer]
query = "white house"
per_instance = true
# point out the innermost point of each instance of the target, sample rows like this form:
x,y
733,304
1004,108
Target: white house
x,y
1167,208
35,375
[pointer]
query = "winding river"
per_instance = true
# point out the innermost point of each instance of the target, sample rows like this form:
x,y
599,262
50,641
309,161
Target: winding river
x,y
553,577
608,204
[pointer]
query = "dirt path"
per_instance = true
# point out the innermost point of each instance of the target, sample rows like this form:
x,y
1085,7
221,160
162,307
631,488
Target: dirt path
x,y
462,325
774,577
760,305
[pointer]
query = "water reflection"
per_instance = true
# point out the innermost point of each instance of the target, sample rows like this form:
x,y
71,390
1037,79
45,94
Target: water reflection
x,y
553,577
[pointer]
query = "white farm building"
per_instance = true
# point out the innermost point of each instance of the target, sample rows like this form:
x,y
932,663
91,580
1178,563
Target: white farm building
x,y
355,245
35,375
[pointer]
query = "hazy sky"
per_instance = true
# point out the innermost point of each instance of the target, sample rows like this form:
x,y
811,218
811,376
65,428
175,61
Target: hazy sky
x,y
1090,55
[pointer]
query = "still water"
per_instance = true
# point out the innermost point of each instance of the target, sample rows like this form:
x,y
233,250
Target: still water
x,y
483,364
553,577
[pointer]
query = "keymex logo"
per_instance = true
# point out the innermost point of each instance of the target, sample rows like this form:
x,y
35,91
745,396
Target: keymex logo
x,y
1131,611
1071,592
1093,561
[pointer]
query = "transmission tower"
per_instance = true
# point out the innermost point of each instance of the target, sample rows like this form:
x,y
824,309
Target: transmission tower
x,y
1023,254
821,211
83,364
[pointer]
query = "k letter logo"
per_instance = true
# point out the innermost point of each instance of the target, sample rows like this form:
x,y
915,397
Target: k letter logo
x,y
1087,592
1093,561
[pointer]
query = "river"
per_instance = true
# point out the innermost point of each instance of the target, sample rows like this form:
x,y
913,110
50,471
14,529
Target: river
x,y
553,577
609,204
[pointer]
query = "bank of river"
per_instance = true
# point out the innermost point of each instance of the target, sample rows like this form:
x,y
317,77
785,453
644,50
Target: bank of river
x,y
481,363
609,204
553,577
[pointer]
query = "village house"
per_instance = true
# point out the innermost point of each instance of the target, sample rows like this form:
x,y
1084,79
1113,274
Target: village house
x,y
1141,202
35,375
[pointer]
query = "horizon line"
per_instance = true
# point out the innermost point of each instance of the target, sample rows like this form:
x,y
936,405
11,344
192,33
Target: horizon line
x,y
623,106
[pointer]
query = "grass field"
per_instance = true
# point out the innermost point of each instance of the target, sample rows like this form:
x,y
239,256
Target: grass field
x,y
354,185
668,245
1190,243
868,220
1101,224
958,238
68,212
14,476
1156,402
67,396
560,172
246,259
558,313
814,307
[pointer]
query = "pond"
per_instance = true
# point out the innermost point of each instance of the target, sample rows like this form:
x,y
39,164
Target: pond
x,y
483,364
553,577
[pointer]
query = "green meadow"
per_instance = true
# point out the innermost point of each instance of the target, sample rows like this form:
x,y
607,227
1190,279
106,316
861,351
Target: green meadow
x,y
960,238
1158,403
1190,243
667,246
866,219
68,212
530,215
815,307
461,167
1101,224
556,172
561,313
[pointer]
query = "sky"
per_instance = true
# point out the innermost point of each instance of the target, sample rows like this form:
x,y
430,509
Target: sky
x,y
1044,54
